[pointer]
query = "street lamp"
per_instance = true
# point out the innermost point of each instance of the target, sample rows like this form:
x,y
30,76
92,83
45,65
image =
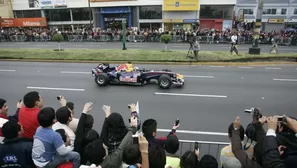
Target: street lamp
x,y
255,48
124,33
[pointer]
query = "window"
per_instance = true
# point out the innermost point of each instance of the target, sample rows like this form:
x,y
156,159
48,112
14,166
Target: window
x,y
284,12
269,12
207,11
57,15
248,11
27,14
150,12
295,11
79,14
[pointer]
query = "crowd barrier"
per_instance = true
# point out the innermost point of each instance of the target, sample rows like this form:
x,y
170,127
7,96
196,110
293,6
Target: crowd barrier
x,y
140,38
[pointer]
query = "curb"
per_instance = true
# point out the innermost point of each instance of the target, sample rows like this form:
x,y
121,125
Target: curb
x,y
159,63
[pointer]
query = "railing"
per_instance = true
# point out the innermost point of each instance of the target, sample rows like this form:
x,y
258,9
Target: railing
x,y
205,147
141,38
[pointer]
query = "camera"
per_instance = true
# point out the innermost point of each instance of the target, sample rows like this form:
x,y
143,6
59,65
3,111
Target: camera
x,y
58,97
256,112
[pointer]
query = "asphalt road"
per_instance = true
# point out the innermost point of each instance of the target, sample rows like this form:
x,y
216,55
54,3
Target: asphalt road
x,y
152,46
210,100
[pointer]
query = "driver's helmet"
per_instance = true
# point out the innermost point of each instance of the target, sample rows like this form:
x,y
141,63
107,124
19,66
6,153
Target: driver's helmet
x,y
136,69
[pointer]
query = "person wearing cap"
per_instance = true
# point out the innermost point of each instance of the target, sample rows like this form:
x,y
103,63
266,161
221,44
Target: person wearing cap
x,y
4,113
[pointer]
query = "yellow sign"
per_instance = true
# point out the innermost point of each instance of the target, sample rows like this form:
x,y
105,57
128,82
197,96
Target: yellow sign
x,y
276,20
172,20
181,5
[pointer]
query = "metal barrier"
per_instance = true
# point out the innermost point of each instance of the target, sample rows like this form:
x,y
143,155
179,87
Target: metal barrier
x,y
205,147
141,38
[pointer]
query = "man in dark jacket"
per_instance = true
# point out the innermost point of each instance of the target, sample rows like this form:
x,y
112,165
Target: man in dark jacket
x,y
16,151
245,161
276,156
149,129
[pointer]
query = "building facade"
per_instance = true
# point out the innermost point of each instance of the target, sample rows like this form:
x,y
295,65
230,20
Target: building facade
x,y
153,14
277,14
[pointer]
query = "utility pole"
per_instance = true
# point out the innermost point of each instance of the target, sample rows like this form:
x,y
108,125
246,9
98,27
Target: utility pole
x,y
90,14
124,33
257,26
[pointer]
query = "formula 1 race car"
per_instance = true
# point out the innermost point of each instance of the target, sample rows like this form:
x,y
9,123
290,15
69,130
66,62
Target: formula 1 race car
x,y
104,75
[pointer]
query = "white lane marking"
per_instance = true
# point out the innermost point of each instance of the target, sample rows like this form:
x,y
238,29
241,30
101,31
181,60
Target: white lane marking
x,y
190,95
205,142
195,132
191,76
217,66
272,68
61,89
71,72
242,67
287,80
7,70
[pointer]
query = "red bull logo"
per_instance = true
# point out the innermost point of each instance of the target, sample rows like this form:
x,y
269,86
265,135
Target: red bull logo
x,y
122,67
128,79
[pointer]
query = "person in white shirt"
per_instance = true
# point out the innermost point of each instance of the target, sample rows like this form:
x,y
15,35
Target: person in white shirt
x,y
234,40
64,117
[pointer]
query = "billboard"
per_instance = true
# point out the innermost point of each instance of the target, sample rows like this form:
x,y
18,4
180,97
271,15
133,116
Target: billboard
x,y
23,22
5,9
47,4
109,0
181,5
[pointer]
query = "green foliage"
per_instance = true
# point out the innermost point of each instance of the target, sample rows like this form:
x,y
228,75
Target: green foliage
x,y
58,37
166,38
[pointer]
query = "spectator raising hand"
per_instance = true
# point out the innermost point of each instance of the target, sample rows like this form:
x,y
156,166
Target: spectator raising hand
x,y
272,123
88,107
236,123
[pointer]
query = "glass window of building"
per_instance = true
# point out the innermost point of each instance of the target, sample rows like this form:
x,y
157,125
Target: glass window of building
x,y
248,11
150,12
79,14
32,13
145,25
57,15
295,11
269,12
283,11
18,14
214,12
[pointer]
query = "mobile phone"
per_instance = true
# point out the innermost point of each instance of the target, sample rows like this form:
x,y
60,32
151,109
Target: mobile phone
x,y
20,100
129,106
58,98
135,139
104,107
176,122
196,145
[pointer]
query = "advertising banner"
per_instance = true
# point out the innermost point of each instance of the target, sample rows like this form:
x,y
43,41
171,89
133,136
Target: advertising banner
x,y
181,5
109,0
51,4
5,9
23,22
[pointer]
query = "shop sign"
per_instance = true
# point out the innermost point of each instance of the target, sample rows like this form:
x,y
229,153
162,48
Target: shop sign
x,y
23,22
51,4
276,21
172,20
181,5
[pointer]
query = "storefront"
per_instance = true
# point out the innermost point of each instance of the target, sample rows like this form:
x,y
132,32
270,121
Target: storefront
x,y
111,17
180,14
273,25
23,22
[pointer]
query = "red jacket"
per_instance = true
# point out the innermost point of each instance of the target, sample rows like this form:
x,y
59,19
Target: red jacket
x,y
28,119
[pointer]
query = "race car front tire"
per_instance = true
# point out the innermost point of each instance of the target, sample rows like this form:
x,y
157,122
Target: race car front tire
x,y
165,81
102,79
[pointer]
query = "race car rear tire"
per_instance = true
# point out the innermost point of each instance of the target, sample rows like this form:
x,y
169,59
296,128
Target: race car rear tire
x,y
102,79
164,81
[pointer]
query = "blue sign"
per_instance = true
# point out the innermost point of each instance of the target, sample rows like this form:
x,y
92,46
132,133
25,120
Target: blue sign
x,y
176,4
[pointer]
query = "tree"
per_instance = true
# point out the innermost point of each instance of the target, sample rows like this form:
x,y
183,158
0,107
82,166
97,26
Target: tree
x,y
166,38
58,38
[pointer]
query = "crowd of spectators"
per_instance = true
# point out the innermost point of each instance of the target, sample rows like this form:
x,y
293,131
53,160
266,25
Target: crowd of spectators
x,y
38,136
146,34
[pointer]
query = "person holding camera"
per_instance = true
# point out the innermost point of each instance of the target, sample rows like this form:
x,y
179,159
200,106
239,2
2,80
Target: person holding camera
x,y
280,143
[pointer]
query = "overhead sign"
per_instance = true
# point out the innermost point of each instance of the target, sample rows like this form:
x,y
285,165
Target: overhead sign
x,y
51,4
181,5
23,22
276,20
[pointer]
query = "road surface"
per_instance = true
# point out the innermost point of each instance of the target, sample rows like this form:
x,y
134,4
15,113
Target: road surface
x,y
210,100
152,46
